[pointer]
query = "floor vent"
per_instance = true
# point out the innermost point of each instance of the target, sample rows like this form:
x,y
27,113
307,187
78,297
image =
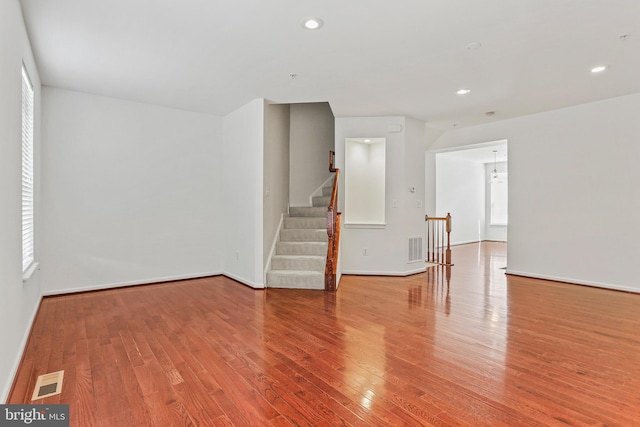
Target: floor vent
x,y
48,385
415,249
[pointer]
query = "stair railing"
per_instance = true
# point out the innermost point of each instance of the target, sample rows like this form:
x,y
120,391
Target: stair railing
x,y
333,230
439,239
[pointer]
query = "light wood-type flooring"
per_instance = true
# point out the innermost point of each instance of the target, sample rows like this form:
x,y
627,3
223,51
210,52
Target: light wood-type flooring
x,y
466,345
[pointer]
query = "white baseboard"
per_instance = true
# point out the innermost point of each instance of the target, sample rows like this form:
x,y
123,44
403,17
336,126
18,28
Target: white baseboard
x,y
244,281
383,273
464,242
574,281
133,283
23,345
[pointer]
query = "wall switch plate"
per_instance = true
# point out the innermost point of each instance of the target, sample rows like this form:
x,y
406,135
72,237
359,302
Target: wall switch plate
x,y
419,203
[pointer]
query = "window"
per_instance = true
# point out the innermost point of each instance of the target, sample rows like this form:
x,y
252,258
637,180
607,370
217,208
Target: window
x,y
499,190
27,172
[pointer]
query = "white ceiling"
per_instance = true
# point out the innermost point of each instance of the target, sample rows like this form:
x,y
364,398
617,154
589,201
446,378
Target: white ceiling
x,y
371,58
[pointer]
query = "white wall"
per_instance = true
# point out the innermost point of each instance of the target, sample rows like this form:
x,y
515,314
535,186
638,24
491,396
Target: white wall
x,y
18,301
242,172
387,246
460,190
132,193
573,197
276,172
311,139
493,232
416,137
432,136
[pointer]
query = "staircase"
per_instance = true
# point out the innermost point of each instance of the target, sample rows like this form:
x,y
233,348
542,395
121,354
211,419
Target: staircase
x,y
301,254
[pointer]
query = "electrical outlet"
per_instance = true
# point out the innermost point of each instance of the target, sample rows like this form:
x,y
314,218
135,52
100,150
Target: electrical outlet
x,y
394,203
365,252
237,254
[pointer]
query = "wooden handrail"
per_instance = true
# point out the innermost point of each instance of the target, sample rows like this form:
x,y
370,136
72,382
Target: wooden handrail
x,y
437,253
333,230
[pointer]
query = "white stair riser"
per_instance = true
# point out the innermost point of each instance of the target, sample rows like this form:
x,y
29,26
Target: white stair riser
x,y
326,191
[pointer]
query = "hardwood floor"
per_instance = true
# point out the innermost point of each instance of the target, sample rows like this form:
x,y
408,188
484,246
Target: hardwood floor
x,y
460,346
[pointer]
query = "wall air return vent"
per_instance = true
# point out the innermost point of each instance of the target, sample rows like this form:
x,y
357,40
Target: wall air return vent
x,y
415,249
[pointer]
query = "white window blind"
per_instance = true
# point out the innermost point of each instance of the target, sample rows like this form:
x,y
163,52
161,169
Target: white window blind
x,y
27,171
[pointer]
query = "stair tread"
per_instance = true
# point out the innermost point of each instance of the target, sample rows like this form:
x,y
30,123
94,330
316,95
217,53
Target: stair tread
x,y
302,243
303,235
298,256
305,222
321,201
307,211
305,229
296,243
302,248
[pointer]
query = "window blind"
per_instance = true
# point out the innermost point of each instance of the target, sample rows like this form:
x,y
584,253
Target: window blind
x,y
27,171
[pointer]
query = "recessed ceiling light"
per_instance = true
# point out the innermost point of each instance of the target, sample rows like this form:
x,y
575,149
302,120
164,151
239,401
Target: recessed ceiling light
x,y
312,23
598,69
463,91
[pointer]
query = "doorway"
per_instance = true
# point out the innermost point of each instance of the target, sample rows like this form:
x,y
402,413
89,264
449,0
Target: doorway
x,y
471,183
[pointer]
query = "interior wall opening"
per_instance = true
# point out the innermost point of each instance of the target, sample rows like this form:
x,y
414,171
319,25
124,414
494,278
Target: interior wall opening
x,y
365,172
472,185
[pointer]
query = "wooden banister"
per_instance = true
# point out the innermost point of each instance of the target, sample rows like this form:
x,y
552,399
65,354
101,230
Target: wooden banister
x,y
437,227
333,230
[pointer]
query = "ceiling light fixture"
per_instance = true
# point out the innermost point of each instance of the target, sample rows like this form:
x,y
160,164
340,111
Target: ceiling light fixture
x,y
463,91
598,69
312,23
494,173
